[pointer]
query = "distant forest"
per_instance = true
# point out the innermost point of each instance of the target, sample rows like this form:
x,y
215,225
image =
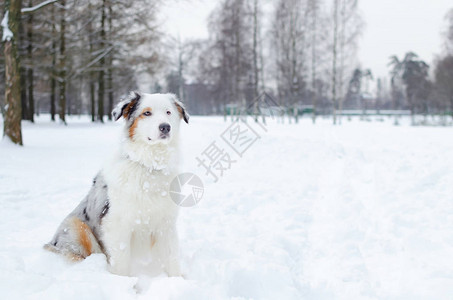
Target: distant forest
x,y
82,56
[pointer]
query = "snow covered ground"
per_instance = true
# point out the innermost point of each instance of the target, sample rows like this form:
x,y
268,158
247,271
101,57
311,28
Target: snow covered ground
x,y
358,211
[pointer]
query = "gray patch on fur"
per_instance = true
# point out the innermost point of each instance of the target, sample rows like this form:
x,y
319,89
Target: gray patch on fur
x,y
90,211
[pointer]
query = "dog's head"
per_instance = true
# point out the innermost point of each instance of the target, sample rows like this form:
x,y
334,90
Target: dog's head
x,y
151,118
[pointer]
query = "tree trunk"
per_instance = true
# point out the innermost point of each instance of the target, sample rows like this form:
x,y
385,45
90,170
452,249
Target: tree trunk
x,y
101,88
31,100
411,107
237,55
52,94
255,59
334,63
91,77
313,60
342,54
110,90
54,63
180,72
451,107
294,41
23,73
110,95
12,119
92,98
23,90
62,63
68,102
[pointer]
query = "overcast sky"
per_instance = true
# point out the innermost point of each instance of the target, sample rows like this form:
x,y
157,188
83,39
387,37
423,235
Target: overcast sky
x,y
392,27
397,26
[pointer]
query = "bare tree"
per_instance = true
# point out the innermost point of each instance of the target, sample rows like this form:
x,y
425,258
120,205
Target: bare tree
x,y
101,83
228,58
31,101
110,91
53,75
314,7
181,57
256,52
13,111
347,25
71,43
62,63
291,43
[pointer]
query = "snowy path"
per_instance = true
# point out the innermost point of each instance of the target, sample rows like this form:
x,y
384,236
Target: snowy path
x,y
361,211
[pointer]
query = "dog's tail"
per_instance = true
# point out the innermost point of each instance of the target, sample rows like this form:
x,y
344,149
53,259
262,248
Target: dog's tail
x,y
74,239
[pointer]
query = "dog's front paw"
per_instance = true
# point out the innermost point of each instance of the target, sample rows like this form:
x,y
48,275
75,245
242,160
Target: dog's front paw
x,y
142,285
118,269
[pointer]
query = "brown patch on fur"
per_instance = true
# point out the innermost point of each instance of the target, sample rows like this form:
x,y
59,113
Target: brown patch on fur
x,y
127,110
135,123
83,232
153,241
181,111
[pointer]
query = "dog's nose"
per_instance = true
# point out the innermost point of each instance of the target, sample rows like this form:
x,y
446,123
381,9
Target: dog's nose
x,y
164,128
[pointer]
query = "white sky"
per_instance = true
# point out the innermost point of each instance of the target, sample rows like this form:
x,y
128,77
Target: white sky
x,y
187,18
392,27
398,26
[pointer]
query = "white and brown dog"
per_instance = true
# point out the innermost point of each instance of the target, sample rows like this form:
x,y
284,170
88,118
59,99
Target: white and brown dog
x,y
128,213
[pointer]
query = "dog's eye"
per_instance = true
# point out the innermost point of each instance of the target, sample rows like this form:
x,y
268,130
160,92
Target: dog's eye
x,y
168,112
147,113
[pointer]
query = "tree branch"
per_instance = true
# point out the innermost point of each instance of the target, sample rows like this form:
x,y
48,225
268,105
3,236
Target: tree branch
x,y
29,10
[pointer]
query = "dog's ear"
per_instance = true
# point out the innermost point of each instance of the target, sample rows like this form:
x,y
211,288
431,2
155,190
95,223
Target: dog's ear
x,y
181,109
127,106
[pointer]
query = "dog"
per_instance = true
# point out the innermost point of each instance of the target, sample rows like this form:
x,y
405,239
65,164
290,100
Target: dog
x,y
128,214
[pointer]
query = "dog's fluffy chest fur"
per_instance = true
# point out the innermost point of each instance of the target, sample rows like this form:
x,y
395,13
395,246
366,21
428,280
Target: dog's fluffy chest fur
x,y
138,195
142,215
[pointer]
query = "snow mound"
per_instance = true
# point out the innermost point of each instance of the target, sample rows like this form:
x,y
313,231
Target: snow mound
x,y
358,211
